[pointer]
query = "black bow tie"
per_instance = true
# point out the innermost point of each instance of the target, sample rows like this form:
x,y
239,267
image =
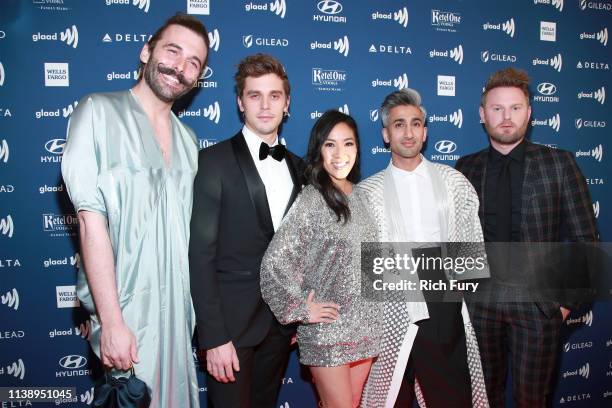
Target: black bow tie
x,y
277,152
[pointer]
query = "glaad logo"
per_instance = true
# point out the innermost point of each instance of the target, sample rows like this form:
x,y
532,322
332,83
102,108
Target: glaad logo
x,y
16,369
330,9
486,56
547,93
248,41
213,112
214,39
317,114
445,20
374,115
456,54
445,148
70,36
6,226
587,319
555,62
558,4
596,153
67,111
400,16
446,85
455,118
601,36
88,396
507,27
596,209
400,82
11,299
580,123
341,45
554,122
135,74
592,65
583,371
141,4
277,7
1,74
4,151
598,95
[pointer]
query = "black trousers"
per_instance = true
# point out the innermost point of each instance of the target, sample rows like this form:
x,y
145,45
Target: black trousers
x,y
259,379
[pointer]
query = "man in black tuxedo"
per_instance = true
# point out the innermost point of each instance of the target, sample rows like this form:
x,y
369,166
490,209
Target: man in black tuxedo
x,y
242,190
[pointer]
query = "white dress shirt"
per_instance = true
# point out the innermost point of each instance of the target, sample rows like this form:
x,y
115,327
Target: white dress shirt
x,y
274,174
417,202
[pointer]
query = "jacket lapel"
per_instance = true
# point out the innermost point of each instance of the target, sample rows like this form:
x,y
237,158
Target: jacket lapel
x,y
295,177
257,190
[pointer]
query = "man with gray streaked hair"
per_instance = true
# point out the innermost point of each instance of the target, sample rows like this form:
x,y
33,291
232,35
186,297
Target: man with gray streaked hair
x,y
430,345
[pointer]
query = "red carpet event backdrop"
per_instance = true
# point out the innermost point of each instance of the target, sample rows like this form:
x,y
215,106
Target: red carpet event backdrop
x,y
344,54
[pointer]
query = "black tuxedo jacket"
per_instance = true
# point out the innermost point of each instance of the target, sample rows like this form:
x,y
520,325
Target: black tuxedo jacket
x,y
231,228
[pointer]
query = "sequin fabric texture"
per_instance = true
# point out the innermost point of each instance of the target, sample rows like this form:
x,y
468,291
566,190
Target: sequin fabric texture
x,y
313,251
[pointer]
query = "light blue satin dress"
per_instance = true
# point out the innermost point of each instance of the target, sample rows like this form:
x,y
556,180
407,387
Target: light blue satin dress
x,y
113,165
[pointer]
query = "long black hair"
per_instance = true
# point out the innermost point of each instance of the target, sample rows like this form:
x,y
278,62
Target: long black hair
x,y
316,174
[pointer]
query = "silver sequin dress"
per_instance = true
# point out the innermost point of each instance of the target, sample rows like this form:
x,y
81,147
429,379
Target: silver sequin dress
x,y
311,250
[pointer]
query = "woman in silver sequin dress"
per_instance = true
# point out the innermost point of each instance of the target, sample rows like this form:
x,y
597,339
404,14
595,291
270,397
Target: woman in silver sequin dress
x,y
311,271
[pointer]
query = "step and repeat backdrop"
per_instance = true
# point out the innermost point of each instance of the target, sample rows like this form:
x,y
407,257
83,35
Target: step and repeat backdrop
x,y
344,54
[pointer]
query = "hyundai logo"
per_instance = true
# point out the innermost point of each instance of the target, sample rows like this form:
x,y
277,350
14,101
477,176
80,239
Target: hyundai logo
x,y
445,146
55,146
329,6
72,362
546,88
208,72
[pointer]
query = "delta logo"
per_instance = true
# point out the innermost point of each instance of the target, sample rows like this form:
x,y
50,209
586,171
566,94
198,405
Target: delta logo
x,y
389,49
598,66
70,36
399,82
507,27
455,54
600,36
341,45
126,37
140,4
400,16
277,7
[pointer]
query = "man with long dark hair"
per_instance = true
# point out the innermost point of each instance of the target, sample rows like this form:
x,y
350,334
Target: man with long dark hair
x,y
414,200
243,189
129,166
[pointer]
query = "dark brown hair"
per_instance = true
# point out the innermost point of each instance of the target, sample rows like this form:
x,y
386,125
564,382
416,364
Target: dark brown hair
x,y
183,20
259,65
509,77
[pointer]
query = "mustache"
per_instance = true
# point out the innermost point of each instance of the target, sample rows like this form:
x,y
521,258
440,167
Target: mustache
x,y
162,69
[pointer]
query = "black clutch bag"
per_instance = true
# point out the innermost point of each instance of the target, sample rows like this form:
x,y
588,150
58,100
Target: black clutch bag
x,y
121,392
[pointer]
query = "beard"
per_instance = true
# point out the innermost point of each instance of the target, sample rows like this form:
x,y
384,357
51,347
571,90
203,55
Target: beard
x,y
504,138
152,71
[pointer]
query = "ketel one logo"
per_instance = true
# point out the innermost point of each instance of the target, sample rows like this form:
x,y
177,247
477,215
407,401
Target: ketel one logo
x,y
555,62
11,299
601,36
16,369
507,27
400,16
456,54
4,151
329,7
56,146
598,95
6,226
445,146
558,4
214,38
72,362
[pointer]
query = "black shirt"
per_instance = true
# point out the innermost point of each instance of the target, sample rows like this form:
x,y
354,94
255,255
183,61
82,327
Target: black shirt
x,y
517,172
